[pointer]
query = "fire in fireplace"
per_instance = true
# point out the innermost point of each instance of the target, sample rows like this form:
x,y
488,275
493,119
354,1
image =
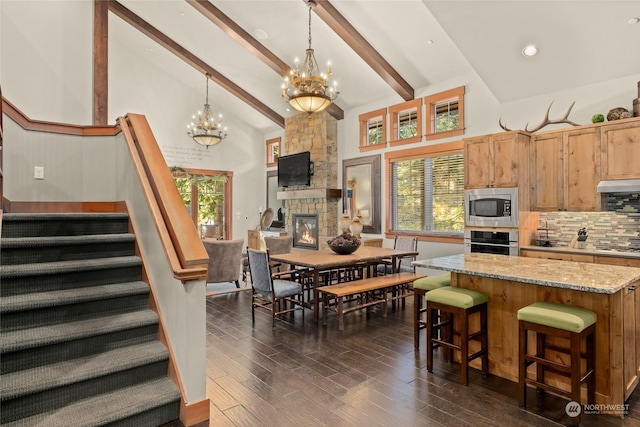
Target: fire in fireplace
x,y
305,231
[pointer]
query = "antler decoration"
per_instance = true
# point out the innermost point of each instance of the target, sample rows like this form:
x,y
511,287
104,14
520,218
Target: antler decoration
x,y
546,120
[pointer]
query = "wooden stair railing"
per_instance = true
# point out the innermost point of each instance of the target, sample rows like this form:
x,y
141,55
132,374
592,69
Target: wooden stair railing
x,y
186,253
180,240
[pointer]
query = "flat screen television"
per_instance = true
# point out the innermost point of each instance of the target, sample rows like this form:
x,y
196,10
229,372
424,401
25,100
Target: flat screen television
x,y
295,169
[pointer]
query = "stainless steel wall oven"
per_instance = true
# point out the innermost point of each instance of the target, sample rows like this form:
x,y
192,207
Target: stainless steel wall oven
x,y
501,242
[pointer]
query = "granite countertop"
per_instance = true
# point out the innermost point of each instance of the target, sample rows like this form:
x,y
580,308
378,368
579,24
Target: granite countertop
x,y
581,276
597,252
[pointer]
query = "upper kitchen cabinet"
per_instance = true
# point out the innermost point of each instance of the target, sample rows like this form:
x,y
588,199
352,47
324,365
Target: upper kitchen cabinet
x,y
496,160
565,170
621,149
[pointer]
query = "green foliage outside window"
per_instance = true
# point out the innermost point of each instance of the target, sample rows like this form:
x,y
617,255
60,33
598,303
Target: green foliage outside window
x,y
447,116
375,135
428,194
209,191
448,193
408,124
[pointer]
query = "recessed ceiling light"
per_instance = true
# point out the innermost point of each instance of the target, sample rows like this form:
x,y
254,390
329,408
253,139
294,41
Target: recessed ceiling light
x,y
529,50
633,21
261,34
181,13
429,42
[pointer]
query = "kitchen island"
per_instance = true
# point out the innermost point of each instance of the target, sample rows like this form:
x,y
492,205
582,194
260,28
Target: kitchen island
x,y
513,282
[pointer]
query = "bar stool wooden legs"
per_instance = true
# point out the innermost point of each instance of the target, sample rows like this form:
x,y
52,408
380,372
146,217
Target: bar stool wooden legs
x,y
574,324
454,303
420,288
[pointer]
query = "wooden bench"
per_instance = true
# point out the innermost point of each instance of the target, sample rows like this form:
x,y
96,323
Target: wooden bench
x,y
363,294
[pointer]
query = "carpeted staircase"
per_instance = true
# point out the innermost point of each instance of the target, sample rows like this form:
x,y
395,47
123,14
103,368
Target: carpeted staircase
x,y
78,342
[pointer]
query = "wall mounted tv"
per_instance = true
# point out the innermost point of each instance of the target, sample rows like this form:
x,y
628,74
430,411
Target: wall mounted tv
x,y
295,169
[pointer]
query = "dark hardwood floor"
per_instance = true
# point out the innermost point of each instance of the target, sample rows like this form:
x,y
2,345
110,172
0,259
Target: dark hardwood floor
x,y
367,375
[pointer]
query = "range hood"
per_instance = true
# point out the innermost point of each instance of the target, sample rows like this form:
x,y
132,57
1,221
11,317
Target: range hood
x,y
619,186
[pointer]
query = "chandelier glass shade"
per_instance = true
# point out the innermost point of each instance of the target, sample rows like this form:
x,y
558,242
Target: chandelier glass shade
x,y
204,128
306,89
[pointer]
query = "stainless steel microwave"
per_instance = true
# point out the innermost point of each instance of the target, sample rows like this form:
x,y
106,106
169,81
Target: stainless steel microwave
x,y
491,207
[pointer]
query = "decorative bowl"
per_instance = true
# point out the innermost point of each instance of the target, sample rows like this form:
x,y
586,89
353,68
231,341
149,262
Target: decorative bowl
x,y
344,244
344,250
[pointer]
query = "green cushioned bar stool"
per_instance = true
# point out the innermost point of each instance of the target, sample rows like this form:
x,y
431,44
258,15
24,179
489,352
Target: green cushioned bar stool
x,y
452,303
573,324
420,288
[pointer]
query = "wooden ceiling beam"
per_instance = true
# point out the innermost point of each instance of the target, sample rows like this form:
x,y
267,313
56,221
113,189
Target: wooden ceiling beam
x,y
362,47
100,62
249,42
191,59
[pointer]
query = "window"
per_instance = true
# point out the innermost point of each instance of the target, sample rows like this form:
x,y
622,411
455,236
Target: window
x,y
273,151
445,112
426,192
407,122
373,130
207,196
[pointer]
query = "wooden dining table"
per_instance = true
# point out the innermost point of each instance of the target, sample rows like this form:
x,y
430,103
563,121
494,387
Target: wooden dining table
x,y
324,260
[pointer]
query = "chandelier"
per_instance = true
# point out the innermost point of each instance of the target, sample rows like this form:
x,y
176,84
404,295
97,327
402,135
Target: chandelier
x,y
305,88
204,129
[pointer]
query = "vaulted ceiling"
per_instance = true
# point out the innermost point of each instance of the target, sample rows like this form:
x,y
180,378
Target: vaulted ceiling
x,y
379,49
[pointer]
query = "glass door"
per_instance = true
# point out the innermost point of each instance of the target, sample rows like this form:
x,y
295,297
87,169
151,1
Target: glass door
x,y
207,196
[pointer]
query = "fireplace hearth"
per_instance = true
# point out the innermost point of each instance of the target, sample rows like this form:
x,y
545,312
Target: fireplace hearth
x,y
305,231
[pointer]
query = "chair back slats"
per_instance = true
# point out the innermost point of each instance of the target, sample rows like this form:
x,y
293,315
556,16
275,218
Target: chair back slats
x,y
406,243
260,271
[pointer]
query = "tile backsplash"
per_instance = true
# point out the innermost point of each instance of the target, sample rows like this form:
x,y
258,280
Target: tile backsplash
x,y
623,203
605,229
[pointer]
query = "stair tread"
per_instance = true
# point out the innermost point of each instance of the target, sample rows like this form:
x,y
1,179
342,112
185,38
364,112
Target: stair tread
x,y
56,216
67,266
44,241
41,378
107,408
37,300
44,335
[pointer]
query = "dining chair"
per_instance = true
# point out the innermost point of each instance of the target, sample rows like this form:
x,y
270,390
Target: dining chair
x,y
404,264
271,292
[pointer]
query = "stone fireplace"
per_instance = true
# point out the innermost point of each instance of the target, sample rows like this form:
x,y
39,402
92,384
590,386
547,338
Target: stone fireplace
x,y
305,231
318,134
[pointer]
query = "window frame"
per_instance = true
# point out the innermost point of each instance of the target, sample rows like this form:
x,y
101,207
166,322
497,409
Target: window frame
x,y
394,114
436,150
431,101
272,159
364,130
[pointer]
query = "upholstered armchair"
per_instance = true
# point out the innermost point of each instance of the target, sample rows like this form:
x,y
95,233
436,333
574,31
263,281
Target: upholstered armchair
x,y
279,245
224,260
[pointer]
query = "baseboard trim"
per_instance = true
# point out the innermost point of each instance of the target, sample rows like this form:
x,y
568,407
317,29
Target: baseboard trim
x,y
66,207
194,413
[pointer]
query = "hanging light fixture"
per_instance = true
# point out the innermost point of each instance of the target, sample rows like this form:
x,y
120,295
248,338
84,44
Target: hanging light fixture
x,y
204,129
306,88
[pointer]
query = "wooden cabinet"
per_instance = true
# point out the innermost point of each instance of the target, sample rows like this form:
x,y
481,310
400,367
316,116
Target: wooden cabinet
x,y
254,237
560,256
629,307
621,149
565,170
631,326
612,260
372,241
496,160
